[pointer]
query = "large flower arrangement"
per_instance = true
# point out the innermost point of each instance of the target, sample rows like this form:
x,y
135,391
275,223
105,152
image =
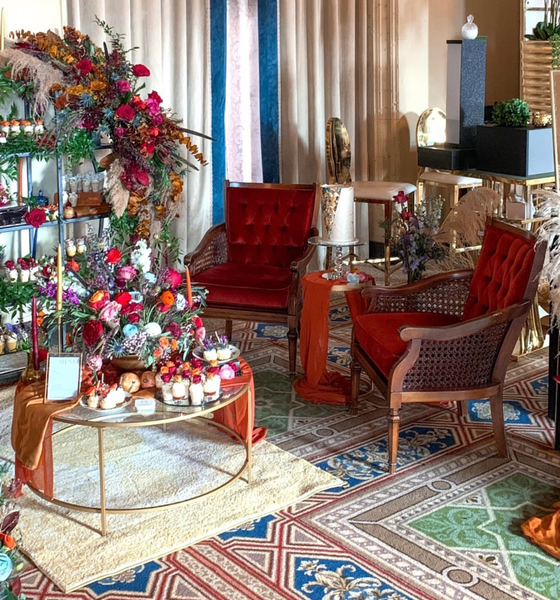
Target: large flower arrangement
x,y
97,91
122,302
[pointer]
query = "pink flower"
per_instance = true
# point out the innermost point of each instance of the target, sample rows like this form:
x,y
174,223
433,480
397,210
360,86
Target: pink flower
x,y
127,273
155,96
200,334
110,313
122,85
125,112
157,119
140,71
400,198
95,362
173,278
227,372
406,215
120,131
153,106
197,321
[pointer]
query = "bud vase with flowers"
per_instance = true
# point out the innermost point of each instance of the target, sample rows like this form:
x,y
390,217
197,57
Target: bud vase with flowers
x,y
412,235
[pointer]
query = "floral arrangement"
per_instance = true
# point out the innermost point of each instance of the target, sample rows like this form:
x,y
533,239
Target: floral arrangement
x,y
412,235
11,562
96,92
123,302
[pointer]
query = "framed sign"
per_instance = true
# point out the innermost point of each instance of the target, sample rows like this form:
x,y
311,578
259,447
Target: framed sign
x,y
64,377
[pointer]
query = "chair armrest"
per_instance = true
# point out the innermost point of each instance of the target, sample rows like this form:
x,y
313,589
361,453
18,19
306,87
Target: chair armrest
x,y
444,293
468,354
211,251
299,269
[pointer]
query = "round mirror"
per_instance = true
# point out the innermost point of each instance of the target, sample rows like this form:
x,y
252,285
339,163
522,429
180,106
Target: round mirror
x,y
430,129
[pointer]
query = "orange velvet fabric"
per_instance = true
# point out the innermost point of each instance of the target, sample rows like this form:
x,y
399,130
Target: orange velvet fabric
x,y
319,385
545,532
378,334
235,416
501,274
32,435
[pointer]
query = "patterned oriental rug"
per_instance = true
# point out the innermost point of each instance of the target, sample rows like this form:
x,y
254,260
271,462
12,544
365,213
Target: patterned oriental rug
x,y
445,526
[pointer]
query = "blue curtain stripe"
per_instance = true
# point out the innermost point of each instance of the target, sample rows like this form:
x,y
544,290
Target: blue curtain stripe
x,y
268,83
218,53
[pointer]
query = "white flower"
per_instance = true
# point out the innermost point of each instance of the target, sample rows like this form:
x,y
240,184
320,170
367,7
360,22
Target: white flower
x,y
152,329
180,302
141,256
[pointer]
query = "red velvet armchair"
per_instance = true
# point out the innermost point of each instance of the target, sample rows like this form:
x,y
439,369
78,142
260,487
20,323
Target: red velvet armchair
x,y
450,336
253,263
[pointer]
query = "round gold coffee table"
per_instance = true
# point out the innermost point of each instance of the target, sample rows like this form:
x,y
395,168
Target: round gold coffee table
x,y
164,415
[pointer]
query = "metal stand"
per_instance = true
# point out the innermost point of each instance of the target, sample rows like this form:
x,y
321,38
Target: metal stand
x,y
339,256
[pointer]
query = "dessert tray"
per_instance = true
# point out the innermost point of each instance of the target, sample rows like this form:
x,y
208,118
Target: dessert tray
x,y
208,399
235,352
107,411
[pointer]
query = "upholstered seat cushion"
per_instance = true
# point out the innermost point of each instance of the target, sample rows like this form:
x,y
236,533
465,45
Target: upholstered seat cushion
x,y
246,286
380,190
378,334
449,179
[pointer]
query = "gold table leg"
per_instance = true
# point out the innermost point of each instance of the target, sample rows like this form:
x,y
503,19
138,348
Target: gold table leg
x,y
250,419
102,482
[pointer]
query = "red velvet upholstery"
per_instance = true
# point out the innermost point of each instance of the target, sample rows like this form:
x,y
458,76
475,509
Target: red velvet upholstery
x,y
378,334
502,272
245,286
267,226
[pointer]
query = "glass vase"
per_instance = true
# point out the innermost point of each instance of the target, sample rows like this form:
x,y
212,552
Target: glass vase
x,y
30,375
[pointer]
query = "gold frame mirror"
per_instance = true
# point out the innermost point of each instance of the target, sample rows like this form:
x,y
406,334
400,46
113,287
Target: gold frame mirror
x,y
430,129
339,152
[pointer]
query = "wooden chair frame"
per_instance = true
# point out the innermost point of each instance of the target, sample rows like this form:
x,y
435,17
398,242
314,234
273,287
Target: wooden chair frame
x,y
213,250
445,293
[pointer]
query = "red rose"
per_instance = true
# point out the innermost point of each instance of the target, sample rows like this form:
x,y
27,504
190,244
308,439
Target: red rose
x,y
148,149
163,308
125,112
123,298
141,176
93,330
113,256
99,299
35,217
155,96
140,71
85,66
197,322
133,318
173,278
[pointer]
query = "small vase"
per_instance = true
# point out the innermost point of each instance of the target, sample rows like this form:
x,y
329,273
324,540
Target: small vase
x,y
30,375
469,31
13,275
24,275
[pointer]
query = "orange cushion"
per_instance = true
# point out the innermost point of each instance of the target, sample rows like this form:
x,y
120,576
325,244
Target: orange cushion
x,y
246,286
378,334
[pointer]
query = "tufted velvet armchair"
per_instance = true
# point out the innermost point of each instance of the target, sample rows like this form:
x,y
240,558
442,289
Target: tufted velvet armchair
x,y
253,263
450,336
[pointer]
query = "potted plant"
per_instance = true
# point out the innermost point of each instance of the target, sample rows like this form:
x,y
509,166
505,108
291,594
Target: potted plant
x,y
512,147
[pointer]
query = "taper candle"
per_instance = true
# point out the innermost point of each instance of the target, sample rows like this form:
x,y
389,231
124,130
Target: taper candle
x,y
34,334
189,289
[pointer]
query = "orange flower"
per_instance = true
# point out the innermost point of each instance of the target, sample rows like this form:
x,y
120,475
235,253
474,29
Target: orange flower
x,y
77,90
40,318
163,342
164,370
157,353
8,541
173,344
97,86
167,298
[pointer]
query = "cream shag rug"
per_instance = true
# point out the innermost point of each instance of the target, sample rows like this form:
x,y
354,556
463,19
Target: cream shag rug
x,y
147,466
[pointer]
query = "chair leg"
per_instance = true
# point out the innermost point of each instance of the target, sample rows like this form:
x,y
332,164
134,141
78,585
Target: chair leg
x,y
292,351
229,329
355,371
393,441
460,409
497,410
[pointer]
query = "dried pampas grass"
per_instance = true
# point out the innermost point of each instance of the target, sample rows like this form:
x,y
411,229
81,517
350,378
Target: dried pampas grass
x,y
41,73
117,194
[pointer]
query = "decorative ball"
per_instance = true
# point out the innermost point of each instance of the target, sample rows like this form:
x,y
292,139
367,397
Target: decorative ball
x,y
148,379
130,382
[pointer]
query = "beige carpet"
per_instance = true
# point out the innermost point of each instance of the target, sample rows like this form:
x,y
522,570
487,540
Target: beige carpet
x,y
148,466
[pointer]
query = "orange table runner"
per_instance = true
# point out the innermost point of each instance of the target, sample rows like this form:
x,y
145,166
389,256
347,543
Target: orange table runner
x,y
32,427
318,384
545,532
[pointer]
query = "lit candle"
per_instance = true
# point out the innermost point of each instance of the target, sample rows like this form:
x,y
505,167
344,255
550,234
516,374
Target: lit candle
x,y
189,290
34,334
59,279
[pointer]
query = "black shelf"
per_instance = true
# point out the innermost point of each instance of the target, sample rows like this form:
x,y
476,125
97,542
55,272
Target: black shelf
x,y
25,226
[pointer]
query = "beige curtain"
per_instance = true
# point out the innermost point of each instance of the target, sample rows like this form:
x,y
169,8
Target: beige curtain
x,y
338,58
173,42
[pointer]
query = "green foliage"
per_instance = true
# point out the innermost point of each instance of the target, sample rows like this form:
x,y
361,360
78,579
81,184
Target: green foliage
x,y
15,296
555,43
511,113
543,31
77,146
120,229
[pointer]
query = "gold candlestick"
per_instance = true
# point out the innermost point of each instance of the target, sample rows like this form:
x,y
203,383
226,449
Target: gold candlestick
x,y
59,295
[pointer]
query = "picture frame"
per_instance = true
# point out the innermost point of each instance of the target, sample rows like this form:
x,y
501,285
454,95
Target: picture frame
x,y
63,377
